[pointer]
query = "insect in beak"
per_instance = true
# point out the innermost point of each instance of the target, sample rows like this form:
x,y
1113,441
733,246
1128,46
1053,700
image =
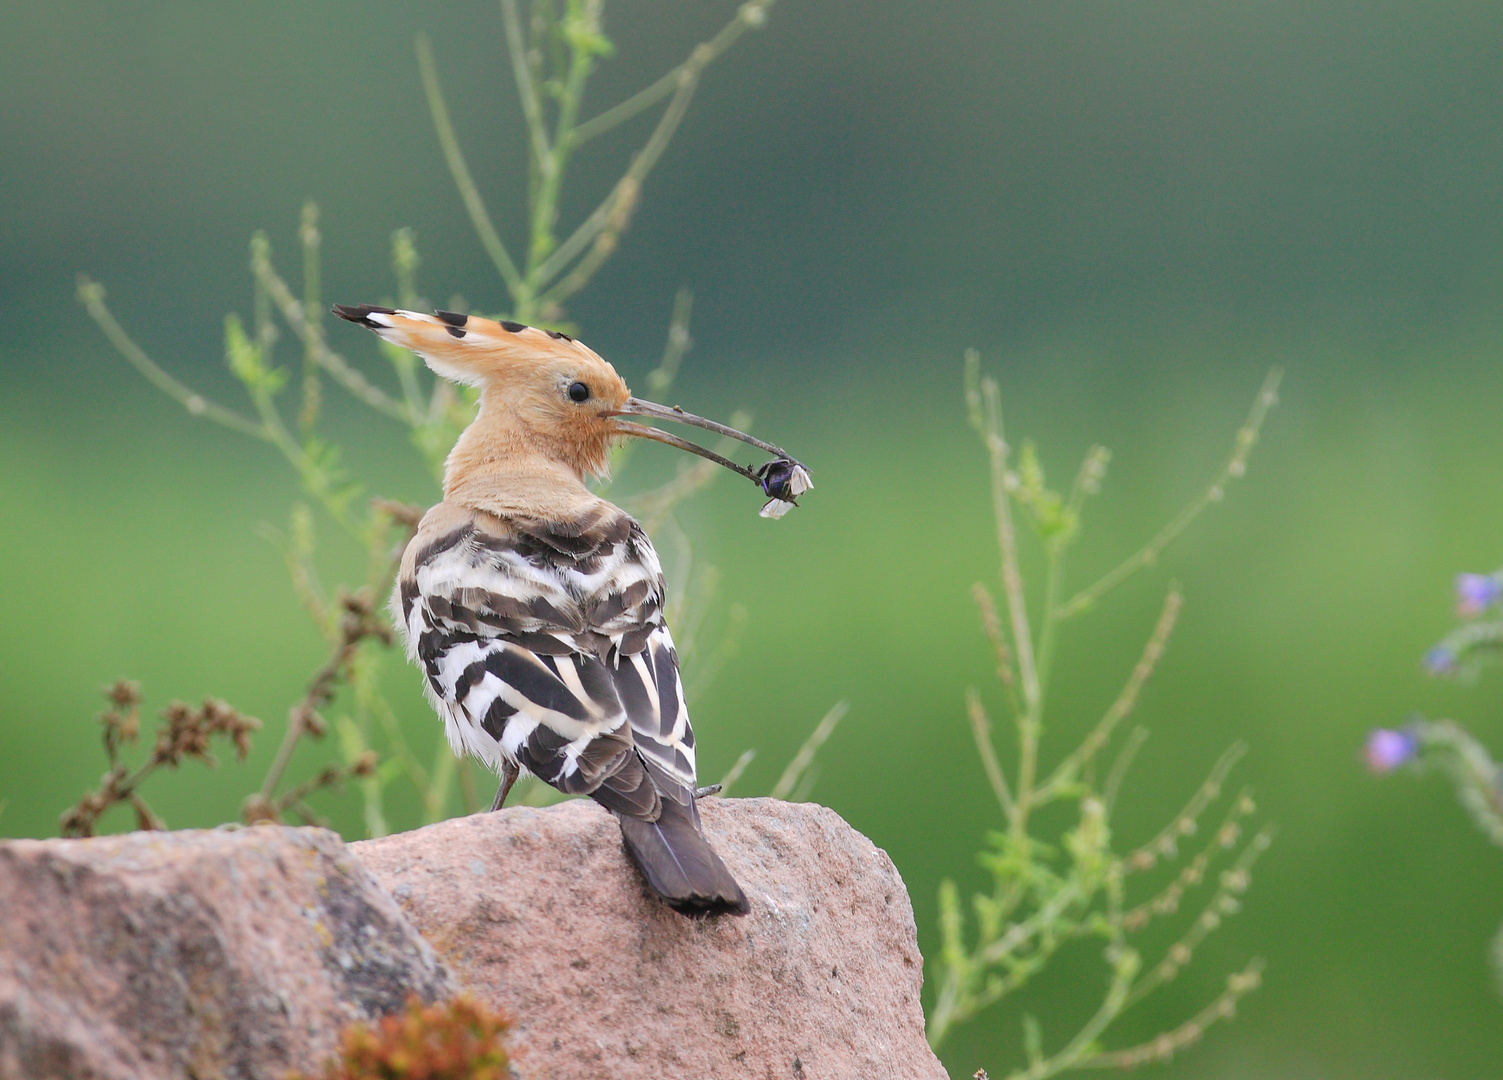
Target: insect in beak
x,y
784,478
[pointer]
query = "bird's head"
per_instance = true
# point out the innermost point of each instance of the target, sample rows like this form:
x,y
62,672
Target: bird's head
x,y
544,393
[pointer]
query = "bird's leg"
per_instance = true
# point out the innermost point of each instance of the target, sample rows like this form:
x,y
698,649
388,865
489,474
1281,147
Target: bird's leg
x,y
509,773
713,789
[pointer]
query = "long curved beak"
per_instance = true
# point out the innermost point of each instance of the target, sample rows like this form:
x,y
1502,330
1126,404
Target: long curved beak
x,y
638,407
760,477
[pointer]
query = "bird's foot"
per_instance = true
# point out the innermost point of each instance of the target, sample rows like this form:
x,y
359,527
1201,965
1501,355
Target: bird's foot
x,y
509,773
713,789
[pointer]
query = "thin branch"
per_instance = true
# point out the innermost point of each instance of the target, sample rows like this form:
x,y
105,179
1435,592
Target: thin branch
x,y
653,507
1164,1047
805,785
1067,769
1234,882
311,241
661,378
1166,843
623,204
614,211
146,818
532,109
748,16
404,264
1018,934
805,756
985,404
991,625
1111,1007
1130,747
91,295
480,218
1235,467
309,815
619,114
1166,902
1054,580
981,731
359,622
736,770
582,36
311,336
1471,769
330,776
297,554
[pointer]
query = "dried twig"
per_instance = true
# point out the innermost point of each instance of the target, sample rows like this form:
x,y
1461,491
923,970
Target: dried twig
x,y
185,733
359,622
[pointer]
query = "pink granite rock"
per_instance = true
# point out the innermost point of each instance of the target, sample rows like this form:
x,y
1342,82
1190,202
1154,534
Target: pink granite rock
x,y
222,954
539,912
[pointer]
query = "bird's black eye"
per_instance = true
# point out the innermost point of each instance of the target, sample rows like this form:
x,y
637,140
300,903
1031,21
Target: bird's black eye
x,y
579,392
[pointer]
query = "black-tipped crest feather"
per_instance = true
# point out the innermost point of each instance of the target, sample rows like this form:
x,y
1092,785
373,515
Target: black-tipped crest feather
x,y
361,313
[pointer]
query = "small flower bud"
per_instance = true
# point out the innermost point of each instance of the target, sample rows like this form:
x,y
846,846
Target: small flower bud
x,y
1440,661
124,693
1475,593
1387,750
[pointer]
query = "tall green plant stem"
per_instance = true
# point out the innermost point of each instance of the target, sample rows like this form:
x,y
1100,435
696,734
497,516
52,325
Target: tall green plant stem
x,y
554,269
984,401
1046,895
1031,665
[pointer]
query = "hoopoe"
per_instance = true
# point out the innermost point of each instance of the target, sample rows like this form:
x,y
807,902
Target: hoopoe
x,y
534,607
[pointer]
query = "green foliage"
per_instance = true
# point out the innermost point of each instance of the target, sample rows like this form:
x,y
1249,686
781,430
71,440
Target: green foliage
x,y
552,57
1049,891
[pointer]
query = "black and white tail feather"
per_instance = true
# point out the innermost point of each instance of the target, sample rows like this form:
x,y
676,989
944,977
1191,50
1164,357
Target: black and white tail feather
x,y
544,648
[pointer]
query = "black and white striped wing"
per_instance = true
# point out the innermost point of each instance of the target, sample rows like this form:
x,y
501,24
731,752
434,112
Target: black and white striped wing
x,y
547,647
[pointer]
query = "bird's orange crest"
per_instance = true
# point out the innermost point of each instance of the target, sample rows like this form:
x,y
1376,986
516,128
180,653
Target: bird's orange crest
x,y
542,392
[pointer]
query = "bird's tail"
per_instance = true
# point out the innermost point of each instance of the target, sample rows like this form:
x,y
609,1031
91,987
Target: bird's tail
x,y
679,863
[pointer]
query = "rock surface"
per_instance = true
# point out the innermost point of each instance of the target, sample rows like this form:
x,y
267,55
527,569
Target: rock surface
x,y
540,913
222,954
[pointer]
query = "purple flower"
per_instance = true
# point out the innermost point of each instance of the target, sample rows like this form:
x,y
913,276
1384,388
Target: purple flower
x,y
1388,749
1475,593
1440,661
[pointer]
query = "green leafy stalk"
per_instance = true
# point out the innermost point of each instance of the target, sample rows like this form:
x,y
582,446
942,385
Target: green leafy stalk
x,y
1048,892
551,64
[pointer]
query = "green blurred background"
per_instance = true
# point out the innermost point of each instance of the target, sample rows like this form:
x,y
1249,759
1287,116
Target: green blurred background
x,y
1131,210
